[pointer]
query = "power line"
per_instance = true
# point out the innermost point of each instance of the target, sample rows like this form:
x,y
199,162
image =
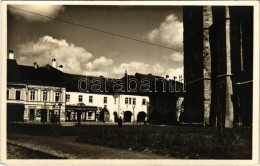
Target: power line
x,y
98,30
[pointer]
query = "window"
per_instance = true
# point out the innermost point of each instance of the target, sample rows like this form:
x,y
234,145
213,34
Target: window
x,y
17,94
134,101
130,100
7,94
90,115
105,99
144,102
32,95
126,100
90,99
67,98
44,95
80,98
57,96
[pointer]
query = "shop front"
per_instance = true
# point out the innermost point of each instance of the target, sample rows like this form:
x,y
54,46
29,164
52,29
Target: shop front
x,y
80,113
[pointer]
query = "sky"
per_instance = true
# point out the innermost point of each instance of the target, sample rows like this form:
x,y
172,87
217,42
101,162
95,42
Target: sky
x,y
87,52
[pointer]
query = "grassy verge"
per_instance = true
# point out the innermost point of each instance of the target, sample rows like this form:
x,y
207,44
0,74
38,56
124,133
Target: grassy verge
x,y
178,142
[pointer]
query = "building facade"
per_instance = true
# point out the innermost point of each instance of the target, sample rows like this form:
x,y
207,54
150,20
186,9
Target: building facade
x,y
47,94
34,93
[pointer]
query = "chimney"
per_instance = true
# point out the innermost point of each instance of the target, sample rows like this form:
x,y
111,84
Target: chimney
x,y
61,67
167,77
53,63
11,54
35,65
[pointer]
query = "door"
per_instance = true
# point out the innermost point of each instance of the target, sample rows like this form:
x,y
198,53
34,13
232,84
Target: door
x,y
127,116
106,116
31,115
43,115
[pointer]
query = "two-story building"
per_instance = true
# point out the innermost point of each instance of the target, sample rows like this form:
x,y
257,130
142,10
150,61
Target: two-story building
x,y
101,105
34,93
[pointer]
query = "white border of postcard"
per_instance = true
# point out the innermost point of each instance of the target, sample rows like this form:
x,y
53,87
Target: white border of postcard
x,y
255,156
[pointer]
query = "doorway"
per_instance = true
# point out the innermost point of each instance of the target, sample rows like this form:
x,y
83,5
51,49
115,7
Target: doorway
x,y
127,116
31,114
141,116
43,115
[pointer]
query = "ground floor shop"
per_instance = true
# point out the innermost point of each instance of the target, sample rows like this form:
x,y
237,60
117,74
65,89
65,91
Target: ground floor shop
x,y
80,113
44,113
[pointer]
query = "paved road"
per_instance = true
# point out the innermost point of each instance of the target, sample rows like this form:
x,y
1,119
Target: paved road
x,y
67,147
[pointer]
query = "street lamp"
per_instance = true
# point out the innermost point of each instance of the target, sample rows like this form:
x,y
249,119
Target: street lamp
x,y
53,120
60,104
134,112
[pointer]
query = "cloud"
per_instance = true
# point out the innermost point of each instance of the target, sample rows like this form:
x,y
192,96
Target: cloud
x,y
175,57
174,72
99,67
170,32
77,60
48,10
131,68
73,58
156,69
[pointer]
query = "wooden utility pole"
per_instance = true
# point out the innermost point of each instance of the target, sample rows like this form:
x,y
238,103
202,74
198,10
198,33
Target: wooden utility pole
x,y
229,91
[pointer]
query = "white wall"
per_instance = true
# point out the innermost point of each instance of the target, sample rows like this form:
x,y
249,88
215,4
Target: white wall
x,y
115,103
98,101
139,107
12,95
38,103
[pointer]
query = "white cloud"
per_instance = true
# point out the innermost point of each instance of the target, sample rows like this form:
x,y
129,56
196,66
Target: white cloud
x,y
99,67
74,59
131,68
77,60
174,72
170,32
175,57
48,10
138,67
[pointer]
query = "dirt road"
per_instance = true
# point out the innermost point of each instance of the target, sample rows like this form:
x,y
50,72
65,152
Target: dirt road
x,y
65,147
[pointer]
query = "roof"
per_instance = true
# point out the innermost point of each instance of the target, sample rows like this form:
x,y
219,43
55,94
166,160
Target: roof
x,y
13,72
46,75
82,83
50,76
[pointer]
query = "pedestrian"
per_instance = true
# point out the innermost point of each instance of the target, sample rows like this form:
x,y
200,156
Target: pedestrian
x,y
119,122
55,118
